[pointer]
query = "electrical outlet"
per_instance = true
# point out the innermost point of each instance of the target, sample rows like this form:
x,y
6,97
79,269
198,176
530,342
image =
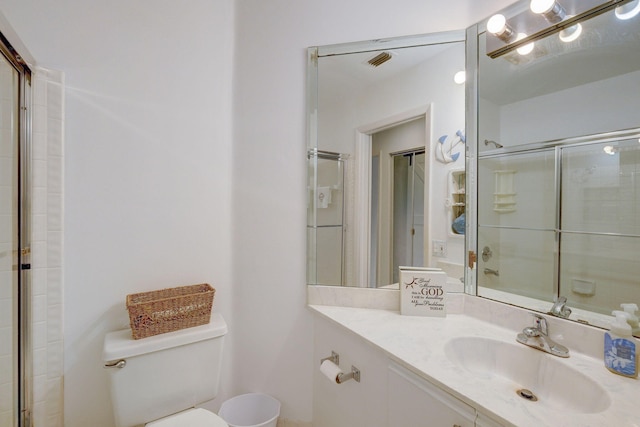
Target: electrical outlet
x,y
439,248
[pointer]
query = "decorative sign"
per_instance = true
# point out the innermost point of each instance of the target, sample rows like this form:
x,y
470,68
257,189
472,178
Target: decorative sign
x,y
422,292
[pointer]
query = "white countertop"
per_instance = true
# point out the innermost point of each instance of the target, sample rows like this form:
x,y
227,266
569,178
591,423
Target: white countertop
x,y
418,343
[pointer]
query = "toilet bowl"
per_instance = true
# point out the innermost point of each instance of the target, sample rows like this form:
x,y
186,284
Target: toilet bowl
x,y
197,417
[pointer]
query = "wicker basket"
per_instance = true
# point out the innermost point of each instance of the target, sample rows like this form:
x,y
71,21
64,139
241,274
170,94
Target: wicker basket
x,y
167,310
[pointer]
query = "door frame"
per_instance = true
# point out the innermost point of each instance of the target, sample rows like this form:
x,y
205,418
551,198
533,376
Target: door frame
x,y
362,190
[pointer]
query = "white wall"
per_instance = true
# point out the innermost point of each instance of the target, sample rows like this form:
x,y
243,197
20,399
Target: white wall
x,y
154,195
562,113
148,163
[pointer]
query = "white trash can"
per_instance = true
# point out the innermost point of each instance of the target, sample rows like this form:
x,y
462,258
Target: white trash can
x,y
250,410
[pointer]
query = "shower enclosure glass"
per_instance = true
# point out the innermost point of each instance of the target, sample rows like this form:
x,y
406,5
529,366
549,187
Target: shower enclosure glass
x,y
14,240
562,220
325,223
9,242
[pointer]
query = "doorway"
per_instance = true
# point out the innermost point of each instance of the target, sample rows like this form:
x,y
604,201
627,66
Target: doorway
x,y
398,202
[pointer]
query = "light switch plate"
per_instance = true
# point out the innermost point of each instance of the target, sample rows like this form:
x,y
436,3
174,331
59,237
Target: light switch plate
x,y
439,248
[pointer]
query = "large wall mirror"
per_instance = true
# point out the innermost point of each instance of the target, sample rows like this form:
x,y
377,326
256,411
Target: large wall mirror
x,y
555,122
550,207
386,159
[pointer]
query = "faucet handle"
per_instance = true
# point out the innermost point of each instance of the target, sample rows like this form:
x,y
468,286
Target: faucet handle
x,y
540,323
560,308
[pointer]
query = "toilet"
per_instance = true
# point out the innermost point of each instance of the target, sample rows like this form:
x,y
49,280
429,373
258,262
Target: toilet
x,y
158,381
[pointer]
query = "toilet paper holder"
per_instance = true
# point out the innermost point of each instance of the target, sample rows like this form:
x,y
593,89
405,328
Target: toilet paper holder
x,y
353,375
342,377
335,358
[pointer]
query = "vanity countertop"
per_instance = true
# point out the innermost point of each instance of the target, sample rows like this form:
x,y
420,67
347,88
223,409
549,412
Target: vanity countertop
x,y
418,343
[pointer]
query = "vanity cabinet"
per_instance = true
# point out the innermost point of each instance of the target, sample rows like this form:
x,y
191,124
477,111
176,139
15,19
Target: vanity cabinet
x,y
350,404
414,402
388,395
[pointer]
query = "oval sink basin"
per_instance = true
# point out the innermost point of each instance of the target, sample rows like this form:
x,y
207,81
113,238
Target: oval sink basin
x,y
513,367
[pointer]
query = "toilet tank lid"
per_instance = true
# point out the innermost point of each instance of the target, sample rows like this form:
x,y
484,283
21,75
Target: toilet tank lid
x,y
120,344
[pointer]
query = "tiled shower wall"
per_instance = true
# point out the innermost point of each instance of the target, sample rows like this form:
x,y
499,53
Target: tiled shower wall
x,y
47,246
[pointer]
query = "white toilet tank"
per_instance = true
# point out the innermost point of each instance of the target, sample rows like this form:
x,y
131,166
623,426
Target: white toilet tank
x,y
163,374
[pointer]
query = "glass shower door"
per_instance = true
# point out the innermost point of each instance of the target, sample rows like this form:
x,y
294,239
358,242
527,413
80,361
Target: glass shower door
x,y
9,244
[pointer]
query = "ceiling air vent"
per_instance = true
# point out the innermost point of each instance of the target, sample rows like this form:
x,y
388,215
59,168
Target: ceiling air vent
x,y
380,59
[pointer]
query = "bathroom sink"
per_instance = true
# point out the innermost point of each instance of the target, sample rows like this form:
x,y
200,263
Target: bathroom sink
x,y
545,380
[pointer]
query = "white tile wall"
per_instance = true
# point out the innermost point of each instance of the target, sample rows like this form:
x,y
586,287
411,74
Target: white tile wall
x,y
47,245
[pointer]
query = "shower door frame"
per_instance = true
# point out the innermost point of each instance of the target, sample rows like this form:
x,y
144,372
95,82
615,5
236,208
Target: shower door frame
x,y
22,303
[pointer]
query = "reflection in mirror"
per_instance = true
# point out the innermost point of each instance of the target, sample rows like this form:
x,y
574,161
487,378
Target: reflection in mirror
x,y
408,211
391,110
397,201
516,221
558,162
547,94
328,174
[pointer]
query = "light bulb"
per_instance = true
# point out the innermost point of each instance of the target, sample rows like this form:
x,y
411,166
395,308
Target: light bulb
x,y
497,24
628,10
571,33
527,48
550,9
541,6
609,149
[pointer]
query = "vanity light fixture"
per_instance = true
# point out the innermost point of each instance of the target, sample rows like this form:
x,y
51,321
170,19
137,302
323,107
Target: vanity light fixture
x,y
549,17
628,10
610,150
460,77
497,25
552,11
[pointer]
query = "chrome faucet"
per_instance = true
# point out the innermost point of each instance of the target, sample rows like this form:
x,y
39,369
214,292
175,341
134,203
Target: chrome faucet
x,y
560,308
537,336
